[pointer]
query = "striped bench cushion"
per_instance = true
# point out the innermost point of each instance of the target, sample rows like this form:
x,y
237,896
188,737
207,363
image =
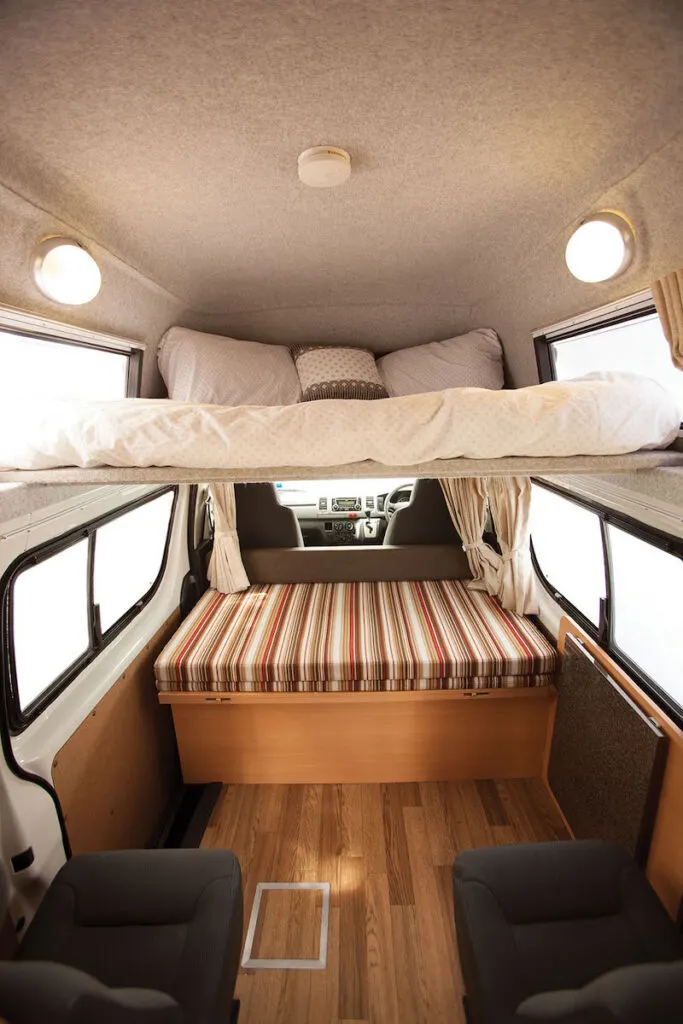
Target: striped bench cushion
x,y
306,637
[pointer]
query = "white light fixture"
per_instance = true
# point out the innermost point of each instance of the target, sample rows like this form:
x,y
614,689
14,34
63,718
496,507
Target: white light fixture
x,y
65,272
324,166
601,248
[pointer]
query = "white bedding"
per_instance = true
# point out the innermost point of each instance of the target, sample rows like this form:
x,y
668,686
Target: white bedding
x,y
603,414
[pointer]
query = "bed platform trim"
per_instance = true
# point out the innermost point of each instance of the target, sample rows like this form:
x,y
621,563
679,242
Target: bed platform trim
x,y
586,465
411,736
351,697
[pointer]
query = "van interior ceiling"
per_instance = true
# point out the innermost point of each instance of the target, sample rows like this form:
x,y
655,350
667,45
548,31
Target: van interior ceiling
x,y
341,512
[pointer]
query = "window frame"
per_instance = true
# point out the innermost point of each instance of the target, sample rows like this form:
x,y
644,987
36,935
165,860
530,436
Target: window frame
x,y
544,340
133,355
19,719
603,635
41,328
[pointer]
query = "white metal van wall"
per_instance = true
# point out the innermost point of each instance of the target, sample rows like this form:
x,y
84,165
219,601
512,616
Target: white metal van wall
x,y
28,815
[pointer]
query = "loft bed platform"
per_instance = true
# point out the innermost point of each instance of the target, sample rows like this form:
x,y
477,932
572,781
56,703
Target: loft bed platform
x,y
583,426
584,465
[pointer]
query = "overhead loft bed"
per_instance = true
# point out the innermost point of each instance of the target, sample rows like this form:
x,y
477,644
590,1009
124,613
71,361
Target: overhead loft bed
x,y
604,423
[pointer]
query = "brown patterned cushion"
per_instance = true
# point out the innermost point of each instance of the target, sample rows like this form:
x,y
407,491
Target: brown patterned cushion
x,y
337,372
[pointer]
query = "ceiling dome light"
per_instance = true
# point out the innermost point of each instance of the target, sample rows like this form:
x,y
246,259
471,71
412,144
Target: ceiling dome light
x,y
601,247
324,166
65,272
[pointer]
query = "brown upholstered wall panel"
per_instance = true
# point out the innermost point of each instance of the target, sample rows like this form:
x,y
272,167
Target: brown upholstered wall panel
x,y
117,774
331,565
665,862
606,759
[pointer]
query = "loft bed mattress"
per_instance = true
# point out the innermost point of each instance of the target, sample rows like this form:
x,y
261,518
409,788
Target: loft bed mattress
x,y
346,637
602,414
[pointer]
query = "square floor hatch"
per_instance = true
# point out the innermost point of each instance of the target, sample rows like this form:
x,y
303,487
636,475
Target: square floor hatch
x,y
288,926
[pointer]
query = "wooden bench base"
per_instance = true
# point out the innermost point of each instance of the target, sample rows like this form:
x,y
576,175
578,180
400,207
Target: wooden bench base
x,y
362,737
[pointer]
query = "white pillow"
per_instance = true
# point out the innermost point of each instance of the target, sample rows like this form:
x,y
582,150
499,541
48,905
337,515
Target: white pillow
x,y
209,368
473,360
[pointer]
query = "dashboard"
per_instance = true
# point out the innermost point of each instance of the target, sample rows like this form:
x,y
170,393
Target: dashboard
x,y
341,512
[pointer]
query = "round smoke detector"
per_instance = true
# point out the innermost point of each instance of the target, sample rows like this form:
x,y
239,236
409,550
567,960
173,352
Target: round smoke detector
x,y
324,166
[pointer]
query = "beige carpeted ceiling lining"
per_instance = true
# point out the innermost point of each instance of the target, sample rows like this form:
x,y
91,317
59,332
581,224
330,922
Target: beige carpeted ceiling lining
x,y
169,131
556,241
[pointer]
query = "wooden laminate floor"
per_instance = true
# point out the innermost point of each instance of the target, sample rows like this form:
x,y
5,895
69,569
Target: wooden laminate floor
x,y
387,851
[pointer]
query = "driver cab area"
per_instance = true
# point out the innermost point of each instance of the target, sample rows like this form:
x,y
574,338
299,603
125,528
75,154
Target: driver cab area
x,y
332,513
347,530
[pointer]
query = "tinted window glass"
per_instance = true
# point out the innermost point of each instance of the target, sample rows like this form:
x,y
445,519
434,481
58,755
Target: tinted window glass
x,y
636,346
50,620
567,543
51,604
128,555
43,368
646,619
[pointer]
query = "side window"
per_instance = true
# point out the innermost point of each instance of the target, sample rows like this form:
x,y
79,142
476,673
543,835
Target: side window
x,y
50,620
567,545
65,602
621,581
634,344
129,552
646,622
39,367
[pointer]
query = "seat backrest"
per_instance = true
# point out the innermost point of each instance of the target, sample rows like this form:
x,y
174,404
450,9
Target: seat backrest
x,y
424,520
262,522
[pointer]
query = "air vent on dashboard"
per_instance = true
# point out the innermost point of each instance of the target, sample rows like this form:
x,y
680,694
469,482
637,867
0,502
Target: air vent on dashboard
x,y
370,502
322,504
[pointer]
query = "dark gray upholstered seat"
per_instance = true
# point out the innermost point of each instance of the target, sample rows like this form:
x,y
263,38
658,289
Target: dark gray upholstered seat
x,y
262,522
641,994
169,921
40,992
424,520
552,916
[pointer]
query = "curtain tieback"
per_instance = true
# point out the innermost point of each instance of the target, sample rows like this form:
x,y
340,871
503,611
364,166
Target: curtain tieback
x,y
479,545
512,553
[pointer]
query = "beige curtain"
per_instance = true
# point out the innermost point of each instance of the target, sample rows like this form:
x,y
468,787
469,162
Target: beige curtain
x,y
510,501
510,576
226,571
668,296
467,500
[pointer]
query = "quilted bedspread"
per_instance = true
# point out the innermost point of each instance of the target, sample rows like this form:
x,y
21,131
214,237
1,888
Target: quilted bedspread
x,y
602,414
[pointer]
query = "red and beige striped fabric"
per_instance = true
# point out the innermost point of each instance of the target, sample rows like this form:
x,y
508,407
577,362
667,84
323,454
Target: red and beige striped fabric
x,y
307,637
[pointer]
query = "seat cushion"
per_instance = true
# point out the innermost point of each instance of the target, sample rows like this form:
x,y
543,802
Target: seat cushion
x,y
353,636
169,920
545,916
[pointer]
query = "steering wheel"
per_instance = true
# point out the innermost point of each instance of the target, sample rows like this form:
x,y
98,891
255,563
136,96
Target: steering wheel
x,y
391,505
